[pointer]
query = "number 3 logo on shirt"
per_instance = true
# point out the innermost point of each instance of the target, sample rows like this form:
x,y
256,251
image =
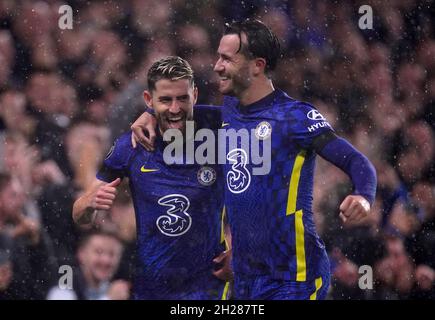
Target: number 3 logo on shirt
x,y
177,220
238,178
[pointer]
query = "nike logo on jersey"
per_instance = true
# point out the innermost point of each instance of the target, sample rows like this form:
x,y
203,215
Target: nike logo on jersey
x,y
143,169
224,124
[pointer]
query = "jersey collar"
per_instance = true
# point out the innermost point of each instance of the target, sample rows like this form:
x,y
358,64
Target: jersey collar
x,y
262,104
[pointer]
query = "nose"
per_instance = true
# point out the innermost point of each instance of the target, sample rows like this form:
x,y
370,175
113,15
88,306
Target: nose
x,y
218,67
106,259
175,107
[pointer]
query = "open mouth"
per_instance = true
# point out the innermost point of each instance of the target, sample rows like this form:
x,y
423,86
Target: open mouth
x,y
223,79
175,122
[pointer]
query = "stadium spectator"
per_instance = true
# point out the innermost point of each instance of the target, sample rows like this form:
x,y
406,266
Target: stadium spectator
x,y
99,254
30,251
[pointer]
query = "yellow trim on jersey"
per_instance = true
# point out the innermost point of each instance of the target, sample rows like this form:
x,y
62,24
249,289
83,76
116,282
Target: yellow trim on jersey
x,y
294,183
223,226
225,292
301,267
318,283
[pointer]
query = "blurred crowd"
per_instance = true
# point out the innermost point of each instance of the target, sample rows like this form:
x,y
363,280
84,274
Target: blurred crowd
x,y
66,94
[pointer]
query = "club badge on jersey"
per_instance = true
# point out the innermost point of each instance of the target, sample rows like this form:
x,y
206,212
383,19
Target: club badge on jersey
x,y
206,176
263,130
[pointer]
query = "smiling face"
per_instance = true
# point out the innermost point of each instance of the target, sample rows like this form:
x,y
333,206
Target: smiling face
x,y
99,258
173,102
233,68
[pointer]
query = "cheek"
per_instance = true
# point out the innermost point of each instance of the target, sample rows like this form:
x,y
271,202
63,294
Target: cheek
x,y
160,108
231,70
238,72
244,76
187,108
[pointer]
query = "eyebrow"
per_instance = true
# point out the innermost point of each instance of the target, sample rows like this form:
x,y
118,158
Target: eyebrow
x,y
165,98
225,56
184,96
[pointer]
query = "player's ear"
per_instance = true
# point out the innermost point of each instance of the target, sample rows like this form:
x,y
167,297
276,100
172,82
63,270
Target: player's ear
x,y
148,98
259,66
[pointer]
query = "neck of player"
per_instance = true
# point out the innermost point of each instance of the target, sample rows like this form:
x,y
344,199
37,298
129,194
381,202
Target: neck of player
x,y
258,89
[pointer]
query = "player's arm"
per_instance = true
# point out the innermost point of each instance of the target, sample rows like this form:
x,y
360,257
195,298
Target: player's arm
x,y
99,196
144,128
102,191
342,154
146,123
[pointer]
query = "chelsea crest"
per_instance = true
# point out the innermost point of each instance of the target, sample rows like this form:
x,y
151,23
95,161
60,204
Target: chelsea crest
x,y
263,130
206,176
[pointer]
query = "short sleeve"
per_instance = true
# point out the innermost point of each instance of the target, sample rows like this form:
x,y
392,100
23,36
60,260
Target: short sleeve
x,y
117,160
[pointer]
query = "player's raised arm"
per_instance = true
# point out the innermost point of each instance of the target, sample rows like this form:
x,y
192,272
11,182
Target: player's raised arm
x,y
147,122
360,170
99,196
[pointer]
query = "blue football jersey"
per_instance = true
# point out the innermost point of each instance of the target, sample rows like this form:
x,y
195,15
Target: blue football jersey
x,y
271,215
178,211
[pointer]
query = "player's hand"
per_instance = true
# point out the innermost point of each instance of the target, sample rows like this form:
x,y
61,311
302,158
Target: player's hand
x,y
145,123
354,208
119,290
103,196
225,272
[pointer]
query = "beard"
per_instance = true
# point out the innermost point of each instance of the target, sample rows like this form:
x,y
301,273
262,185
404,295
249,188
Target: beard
x,y
236,83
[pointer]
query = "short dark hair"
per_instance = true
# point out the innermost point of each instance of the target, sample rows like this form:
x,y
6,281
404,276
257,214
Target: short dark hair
x,y
172,68
261,41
